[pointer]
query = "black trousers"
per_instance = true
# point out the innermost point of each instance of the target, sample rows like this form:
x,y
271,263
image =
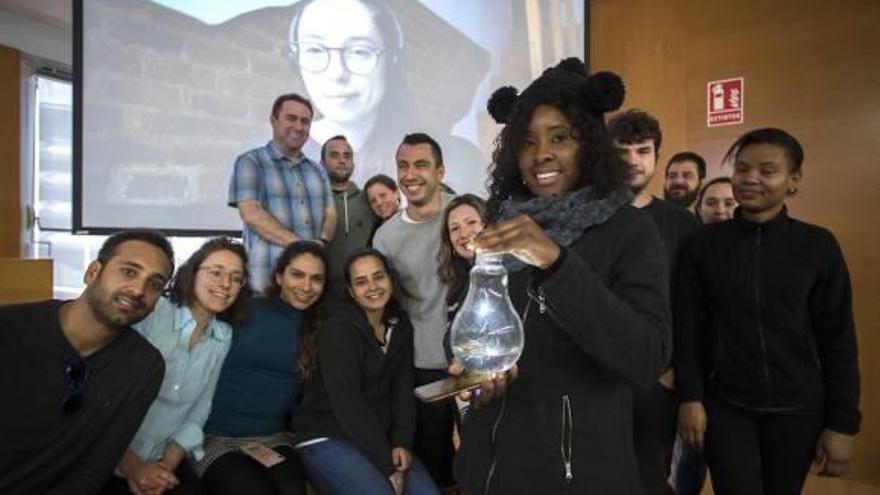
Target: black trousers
x,y
655,415
189,483
759,453
235,473
434,427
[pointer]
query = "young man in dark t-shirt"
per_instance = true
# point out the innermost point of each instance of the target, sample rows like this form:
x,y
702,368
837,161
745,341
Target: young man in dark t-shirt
x,y
637,137
77,380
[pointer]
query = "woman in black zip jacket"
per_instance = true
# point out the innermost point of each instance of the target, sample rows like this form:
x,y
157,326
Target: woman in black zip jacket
x,y
588,278
356,423
767,365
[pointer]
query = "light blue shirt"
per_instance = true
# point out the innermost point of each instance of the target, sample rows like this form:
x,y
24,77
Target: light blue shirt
x,y
184,402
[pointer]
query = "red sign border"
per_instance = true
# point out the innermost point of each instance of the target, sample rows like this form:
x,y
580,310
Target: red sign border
x,y
742,108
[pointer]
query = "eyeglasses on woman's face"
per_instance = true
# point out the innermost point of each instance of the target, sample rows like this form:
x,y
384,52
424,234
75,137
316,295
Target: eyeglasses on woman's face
x,y
217,274
360,59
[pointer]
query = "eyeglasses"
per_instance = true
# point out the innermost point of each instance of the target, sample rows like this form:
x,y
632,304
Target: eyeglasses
x,y
357,59
219,274
76,376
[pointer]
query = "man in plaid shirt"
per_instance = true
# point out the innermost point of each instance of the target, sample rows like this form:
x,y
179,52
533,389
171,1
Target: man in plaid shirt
x,y
282,196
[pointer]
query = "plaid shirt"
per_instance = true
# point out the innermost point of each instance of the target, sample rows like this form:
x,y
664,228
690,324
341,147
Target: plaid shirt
x,y
296,194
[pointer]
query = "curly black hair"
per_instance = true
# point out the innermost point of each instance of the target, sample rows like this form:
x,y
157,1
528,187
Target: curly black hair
x,y
599,164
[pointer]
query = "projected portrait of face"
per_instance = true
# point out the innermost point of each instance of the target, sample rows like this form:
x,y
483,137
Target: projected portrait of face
x,y
343,59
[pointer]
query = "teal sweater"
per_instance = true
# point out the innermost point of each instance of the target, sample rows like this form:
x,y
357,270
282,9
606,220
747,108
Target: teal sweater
x,y
259,381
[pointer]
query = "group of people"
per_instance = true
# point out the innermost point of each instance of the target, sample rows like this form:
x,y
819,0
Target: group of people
x,y
710,316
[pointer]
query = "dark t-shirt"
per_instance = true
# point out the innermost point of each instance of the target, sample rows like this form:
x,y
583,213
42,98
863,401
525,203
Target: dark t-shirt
x,y
44,450
675,224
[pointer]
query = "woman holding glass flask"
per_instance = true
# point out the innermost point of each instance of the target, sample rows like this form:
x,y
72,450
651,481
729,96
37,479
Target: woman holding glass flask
x,y
588,277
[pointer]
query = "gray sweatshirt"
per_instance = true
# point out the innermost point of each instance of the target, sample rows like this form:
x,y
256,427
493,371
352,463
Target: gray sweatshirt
x,y
412,248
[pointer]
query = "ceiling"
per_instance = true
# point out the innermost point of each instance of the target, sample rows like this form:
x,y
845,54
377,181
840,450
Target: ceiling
x,y
56,12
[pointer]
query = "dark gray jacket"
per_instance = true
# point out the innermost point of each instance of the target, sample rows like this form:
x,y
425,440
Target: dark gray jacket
x,y
361,394
596,323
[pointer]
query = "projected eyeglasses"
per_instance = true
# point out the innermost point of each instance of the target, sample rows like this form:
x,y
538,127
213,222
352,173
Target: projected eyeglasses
x,y
358,59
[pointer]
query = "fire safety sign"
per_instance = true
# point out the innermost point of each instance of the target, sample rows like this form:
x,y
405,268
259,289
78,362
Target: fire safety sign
x,y
725,103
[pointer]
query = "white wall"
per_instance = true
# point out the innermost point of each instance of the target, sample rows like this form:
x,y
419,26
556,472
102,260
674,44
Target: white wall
x,y
36,38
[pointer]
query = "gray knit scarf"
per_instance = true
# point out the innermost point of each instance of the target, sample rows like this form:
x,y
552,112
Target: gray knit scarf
x,y
564,218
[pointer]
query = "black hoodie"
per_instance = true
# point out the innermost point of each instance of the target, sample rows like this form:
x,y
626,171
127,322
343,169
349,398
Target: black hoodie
x,y
361,393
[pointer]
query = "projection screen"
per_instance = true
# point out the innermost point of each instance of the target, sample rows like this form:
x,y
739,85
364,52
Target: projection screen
x,y
169,92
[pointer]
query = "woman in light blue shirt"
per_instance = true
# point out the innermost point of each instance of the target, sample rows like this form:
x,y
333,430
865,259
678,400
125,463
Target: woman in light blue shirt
x,y
192,329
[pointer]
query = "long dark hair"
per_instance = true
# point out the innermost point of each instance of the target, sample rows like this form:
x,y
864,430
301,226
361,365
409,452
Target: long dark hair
x,y
599,164
393,309
452,268
308,349
182,289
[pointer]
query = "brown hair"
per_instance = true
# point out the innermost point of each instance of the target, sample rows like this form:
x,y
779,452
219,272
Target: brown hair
x,y
451,268
183,291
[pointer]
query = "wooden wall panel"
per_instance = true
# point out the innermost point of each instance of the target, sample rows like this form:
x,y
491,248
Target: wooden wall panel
x,y
25,280
810,67
10,164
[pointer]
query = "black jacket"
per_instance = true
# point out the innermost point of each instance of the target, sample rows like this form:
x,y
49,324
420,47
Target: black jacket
x,y
769,309
360,393
596,323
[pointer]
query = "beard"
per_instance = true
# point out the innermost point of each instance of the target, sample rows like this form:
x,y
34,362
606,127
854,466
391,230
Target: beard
x,y
101,304
684,201
339,177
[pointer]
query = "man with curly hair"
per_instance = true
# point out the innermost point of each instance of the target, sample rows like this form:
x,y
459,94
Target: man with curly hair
x,y
637,137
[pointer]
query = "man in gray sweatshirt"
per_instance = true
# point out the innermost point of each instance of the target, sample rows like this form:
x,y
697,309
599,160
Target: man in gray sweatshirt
x,y
411,239
356,221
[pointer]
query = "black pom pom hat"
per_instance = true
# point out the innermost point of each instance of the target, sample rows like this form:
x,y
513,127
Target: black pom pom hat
x,y
598,93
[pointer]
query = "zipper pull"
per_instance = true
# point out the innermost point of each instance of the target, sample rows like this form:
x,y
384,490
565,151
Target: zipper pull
x,y
568,475
542,308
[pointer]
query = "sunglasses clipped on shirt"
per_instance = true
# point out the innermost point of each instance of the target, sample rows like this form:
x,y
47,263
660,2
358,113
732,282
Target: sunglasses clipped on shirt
x,y
76,376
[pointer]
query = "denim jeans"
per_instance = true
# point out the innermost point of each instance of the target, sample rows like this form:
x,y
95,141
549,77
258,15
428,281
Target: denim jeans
x,y
338,467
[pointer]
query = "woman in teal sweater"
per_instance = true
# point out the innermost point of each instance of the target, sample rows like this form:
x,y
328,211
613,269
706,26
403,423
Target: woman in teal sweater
x,y
247,448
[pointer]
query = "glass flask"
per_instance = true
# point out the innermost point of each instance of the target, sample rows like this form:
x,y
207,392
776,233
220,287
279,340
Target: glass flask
x,y
487,334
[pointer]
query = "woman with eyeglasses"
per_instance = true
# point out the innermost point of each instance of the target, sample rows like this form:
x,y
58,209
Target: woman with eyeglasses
x,y
356,424
247,446
192,328
349,55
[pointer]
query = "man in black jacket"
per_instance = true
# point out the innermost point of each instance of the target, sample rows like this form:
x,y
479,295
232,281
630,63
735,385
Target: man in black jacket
x,y
77,380
637,137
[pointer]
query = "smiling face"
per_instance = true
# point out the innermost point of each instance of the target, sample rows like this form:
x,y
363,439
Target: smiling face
x,y
548,158
383,201
290,128
124,290
418,174
641,161
464,223
302,281
217,282
717,204
340,94
762,180
369,284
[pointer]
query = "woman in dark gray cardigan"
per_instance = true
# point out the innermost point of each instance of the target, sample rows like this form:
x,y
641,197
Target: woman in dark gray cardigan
x,y
356,423
589,278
